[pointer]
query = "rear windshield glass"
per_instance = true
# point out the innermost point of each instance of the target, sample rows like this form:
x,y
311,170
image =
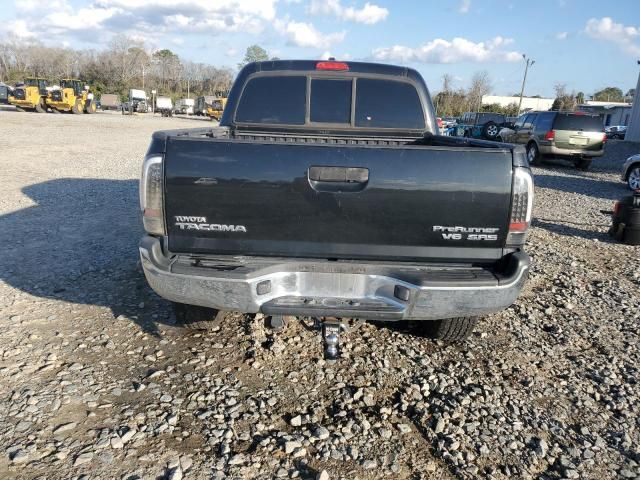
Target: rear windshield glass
x,y
545,120
387,104
330,101
490,117
571,121
279,100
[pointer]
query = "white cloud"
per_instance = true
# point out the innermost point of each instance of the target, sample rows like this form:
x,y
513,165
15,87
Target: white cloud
x,y
454,51
606,29
301,34
464,7
152,18
562,35
369,14
18,29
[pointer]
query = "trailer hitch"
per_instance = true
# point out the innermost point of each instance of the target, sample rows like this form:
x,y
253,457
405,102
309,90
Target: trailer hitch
x,y
331,338
330,328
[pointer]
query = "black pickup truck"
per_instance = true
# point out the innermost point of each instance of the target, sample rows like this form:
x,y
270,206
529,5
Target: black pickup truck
x,y
325,193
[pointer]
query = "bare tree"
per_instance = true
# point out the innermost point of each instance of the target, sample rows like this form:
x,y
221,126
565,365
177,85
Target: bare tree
x,y
480,86
125,64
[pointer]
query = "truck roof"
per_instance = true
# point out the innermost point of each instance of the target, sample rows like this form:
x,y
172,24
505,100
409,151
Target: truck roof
x,y
307,65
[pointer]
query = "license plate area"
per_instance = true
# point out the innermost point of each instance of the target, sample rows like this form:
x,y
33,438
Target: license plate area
x,y
578,141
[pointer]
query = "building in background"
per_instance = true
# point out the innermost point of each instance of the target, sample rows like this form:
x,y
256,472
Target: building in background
x,y
613,113
528,103
633,130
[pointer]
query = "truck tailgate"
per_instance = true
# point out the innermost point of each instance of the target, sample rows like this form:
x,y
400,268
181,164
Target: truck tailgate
x,y
336,201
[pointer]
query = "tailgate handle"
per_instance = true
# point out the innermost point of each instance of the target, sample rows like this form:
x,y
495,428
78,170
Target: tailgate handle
x,y
339,174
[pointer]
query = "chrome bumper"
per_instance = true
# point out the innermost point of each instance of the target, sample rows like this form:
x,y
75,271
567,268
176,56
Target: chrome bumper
x,y
372,291
566,152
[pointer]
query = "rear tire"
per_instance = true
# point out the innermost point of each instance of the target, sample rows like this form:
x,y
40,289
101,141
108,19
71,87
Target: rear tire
x,y
583,164
490,130
533,154
90,107
194,317
450,329
633,179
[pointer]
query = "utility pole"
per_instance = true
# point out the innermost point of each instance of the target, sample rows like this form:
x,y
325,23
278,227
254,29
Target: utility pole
x,y
529,63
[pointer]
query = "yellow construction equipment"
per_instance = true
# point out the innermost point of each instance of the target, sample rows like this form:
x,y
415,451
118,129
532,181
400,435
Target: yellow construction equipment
x,y
30,96
215,109
72,96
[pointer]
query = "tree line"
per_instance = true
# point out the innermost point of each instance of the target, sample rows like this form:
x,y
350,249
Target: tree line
x,y
126,63
452,102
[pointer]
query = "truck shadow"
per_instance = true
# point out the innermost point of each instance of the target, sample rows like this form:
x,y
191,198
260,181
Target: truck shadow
x,y
573,229
78,243
580,184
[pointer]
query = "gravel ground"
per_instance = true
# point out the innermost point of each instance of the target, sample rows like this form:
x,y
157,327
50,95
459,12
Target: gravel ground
x,y
97,382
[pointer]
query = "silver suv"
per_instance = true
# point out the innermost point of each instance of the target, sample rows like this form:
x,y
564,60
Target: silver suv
x,y
575,136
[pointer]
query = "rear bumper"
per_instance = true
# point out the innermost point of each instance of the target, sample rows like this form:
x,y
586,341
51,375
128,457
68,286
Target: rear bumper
x,y
373,291
565,152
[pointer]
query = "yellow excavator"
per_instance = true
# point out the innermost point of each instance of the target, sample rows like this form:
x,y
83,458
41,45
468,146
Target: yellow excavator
x,y
30,96
72,96
215,109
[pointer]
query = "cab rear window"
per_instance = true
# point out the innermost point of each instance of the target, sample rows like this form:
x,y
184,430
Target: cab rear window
x,y
387,104
276,100
330,101
576,122
379,103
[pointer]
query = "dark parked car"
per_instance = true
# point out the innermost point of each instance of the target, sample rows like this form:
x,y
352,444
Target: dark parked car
x,y
631,172
616,132
485,125
5,90
326,192
575,136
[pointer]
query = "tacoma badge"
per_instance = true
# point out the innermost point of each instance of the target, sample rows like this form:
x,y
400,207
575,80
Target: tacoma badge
x,y
200,223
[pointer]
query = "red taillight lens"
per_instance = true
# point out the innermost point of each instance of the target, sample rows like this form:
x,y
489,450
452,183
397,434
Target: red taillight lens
x,y
616,208
439,120
604,138
333,66
550,135
518,226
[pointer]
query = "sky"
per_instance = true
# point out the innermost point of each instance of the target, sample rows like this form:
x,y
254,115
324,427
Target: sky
x,y
584,44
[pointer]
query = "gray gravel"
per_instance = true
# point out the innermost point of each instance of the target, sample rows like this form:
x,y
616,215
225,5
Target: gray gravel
x,y
97,382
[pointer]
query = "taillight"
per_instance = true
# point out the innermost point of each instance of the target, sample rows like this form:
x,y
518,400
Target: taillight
x,y
151,195
333,66
550,135
521,206
604,138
